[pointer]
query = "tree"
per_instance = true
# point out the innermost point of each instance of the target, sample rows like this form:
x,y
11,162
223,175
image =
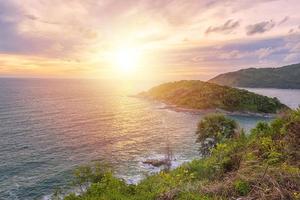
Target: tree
x,y
215,128
85,175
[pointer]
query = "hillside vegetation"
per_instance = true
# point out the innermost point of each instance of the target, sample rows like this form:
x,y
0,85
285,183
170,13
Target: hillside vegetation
x,y
202,95
263,164
286,77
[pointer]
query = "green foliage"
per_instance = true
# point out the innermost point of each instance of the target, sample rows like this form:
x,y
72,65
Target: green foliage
x,y
57,194
262,128
274,129
204,95
284,77
242,187
71,196
227,155
216,126
84,175
269,149
277,140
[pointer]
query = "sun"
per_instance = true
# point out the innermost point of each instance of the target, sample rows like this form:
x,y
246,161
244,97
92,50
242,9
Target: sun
x,y
126,60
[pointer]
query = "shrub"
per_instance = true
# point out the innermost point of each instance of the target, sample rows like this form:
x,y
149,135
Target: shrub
x,y
213,129
71,196
241,187
227,155
216,126
87,174
261,129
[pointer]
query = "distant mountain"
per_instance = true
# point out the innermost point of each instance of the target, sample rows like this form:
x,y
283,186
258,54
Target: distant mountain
x,y
203,95
287,77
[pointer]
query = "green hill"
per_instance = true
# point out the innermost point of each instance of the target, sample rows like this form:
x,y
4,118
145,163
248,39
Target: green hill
x,y
286,77
203,95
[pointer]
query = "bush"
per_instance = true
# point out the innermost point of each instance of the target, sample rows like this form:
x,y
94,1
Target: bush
x,y
261,129
87,174
213,129
241,187
216,126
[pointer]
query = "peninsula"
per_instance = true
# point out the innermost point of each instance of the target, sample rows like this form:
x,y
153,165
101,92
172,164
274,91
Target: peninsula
x,y
199,95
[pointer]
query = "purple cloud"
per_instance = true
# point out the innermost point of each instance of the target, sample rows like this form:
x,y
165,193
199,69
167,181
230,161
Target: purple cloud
x,y
226,28
260,28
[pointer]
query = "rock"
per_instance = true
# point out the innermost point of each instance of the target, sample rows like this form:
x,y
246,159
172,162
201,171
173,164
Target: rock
x,y
156,163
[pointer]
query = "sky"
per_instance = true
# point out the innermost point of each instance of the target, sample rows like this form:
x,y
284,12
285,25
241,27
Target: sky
x,y
163,39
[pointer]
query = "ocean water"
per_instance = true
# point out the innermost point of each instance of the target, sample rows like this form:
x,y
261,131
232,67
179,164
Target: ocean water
x,y
290,97
49,127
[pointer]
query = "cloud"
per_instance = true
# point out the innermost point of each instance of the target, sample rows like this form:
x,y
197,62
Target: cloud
x,y
245,52
259,28
226,28
292,57
11,40
285,19
31,17
261,53
291,31
293,47
40,29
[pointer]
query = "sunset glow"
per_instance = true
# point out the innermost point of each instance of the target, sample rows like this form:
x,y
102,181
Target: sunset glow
x,y
126,61
196,38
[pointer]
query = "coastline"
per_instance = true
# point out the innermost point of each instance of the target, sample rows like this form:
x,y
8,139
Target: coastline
x,y
207,111
218,110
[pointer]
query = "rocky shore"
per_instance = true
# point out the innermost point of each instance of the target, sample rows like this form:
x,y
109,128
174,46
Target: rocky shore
x,y
206,111
218,110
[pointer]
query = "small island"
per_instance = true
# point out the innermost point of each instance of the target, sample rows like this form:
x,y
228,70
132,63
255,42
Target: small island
x,y
195,95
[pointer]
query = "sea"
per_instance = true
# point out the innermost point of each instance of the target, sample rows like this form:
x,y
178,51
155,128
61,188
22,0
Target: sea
x,y
48,127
